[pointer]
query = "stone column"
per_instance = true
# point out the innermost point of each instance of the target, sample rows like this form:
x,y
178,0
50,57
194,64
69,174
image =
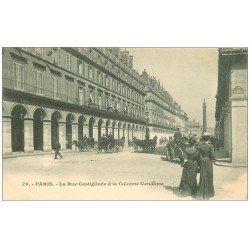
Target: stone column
x,y
126,136
227,137
47,135
239,131
62,134
119,133
95,132
142,134
130,134
115,133
28,135
7,135
74,131
82,131
86,130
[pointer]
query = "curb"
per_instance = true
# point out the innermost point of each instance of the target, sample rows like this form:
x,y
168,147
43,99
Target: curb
x,y
47,153
35,154
230,164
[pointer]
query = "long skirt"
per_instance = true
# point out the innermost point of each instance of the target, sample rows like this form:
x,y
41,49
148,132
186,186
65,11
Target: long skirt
x,y
206,186
188,185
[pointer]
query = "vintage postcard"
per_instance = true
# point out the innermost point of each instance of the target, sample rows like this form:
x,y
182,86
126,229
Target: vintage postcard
x,y
124,123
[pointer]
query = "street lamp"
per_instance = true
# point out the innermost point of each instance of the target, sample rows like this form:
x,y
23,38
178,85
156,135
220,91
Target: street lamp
x,y
22,111
57,115
41,113
71,118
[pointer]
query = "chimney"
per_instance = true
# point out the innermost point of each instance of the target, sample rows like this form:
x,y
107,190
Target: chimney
x,y
154,82
125,57
116,51
130,61
144,77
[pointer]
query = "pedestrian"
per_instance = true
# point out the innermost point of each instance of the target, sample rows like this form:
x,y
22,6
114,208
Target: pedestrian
x,y
85,140
188,185
110,137
74,145
57,149
104,140
206,186
169,153
177,136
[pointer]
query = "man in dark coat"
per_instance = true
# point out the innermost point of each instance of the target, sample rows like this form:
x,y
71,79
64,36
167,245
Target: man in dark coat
x,y
177,136
110,137
170,145
85,140
104,140
57,149
104,137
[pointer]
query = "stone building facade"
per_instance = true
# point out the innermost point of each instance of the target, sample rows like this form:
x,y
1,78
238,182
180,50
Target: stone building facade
x,y
52,94
61,94
163,114
231,103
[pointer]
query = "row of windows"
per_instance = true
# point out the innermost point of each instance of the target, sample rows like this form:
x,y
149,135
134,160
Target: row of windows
x,y
153,83
118,87
157,109
55,55
91,98
107,102
109,65
157,99
162,120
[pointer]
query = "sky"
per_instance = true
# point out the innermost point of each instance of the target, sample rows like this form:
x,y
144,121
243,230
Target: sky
x,y
188,74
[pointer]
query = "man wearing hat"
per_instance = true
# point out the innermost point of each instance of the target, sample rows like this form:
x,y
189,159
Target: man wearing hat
x,y
177,136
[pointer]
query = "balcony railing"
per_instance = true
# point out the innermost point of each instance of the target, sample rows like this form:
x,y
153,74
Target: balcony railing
x,y
24,87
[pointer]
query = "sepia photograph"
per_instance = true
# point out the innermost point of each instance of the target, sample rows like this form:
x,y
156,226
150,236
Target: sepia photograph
x,y
124,125
111,123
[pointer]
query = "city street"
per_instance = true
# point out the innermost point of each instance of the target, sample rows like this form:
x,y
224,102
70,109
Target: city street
x,y
99,176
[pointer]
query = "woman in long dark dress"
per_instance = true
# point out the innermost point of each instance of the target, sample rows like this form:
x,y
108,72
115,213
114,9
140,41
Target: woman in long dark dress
x,y
188,185
206,186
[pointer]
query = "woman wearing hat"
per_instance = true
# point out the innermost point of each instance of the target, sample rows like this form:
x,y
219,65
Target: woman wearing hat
x,y
188,184
206,186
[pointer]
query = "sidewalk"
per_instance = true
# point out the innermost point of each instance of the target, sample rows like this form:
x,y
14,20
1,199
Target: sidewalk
x,y
39,152
222,159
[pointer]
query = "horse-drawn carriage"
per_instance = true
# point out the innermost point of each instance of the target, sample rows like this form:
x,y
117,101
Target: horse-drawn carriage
x,y
144,145
110,145
84,144
175,150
